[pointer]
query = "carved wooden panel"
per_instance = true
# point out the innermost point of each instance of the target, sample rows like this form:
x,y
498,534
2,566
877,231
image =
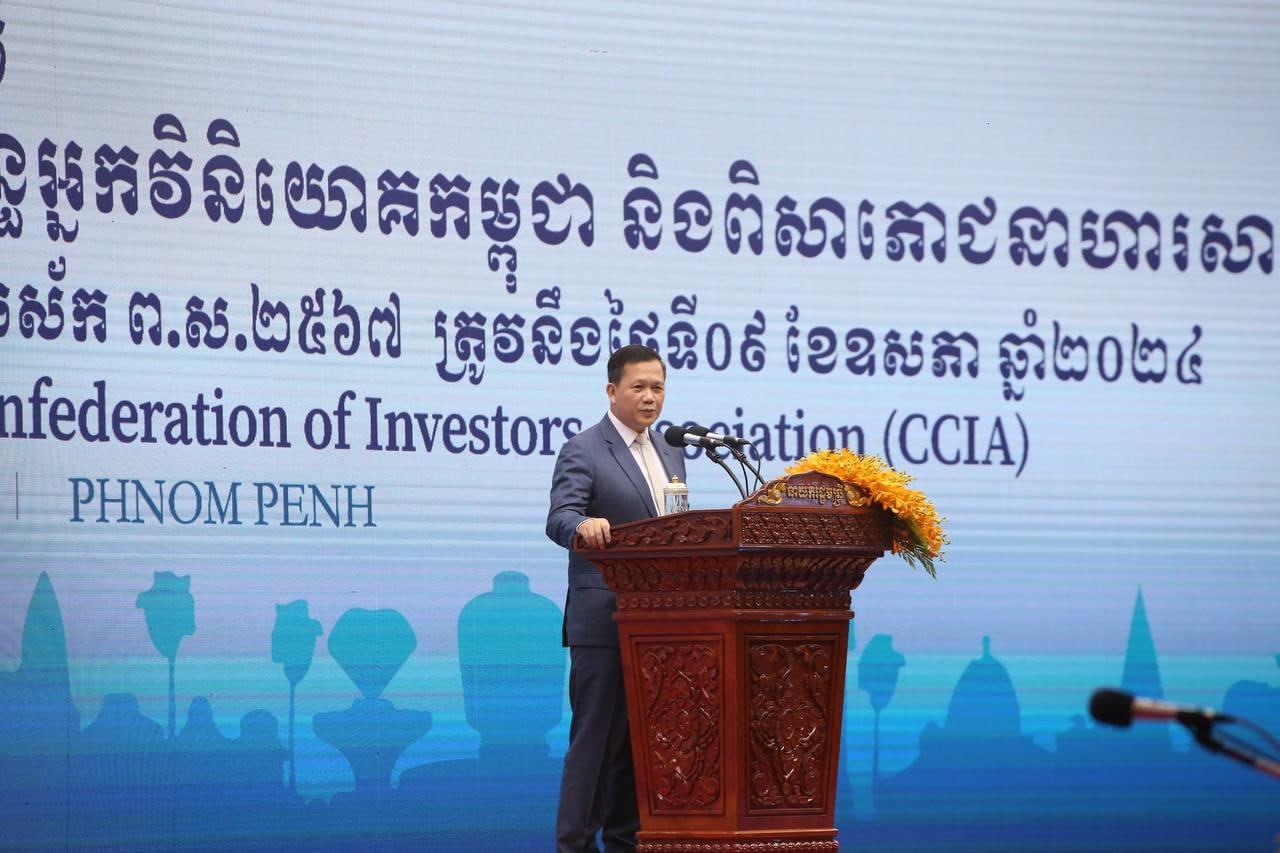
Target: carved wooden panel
x,y
861,530
740,599
772,582
814,572
791,599
810,489
673,601
790,696
701,846
680,685
686,528
670,574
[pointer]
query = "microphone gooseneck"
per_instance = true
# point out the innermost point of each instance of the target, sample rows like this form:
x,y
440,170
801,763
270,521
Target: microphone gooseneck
x,y
728,440
678,436
1118,708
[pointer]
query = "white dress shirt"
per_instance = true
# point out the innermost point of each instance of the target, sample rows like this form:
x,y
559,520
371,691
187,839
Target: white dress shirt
x,y
652,467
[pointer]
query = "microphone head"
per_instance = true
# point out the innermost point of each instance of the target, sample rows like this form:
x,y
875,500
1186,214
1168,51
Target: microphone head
x,y
674,435
694,429
1113,707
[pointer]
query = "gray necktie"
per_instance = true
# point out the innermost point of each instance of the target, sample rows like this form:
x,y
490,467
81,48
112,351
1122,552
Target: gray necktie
x,y
652,469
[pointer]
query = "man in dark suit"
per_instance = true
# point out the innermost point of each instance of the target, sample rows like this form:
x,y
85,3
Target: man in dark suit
x,y
608,474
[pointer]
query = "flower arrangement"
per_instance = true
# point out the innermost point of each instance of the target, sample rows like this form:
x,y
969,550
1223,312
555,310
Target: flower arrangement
x,y
917,529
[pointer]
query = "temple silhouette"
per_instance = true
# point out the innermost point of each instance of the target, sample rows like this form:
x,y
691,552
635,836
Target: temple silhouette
x,y
978,783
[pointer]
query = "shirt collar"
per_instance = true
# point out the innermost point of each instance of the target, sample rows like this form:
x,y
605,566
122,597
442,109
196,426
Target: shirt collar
x,y
627,433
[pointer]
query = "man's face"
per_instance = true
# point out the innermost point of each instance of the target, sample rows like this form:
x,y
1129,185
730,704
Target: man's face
x,y
637,398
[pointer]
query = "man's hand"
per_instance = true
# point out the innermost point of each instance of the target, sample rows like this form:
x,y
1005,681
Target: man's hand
x,y
595,531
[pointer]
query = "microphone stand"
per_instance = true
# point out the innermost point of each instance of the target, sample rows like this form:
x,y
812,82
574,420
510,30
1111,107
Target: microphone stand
x,y
714,457
1202,729
746,463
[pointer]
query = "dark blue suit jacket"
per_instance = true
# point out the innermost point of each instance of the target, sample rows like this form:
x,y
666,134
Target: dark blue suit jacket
x,y
597,476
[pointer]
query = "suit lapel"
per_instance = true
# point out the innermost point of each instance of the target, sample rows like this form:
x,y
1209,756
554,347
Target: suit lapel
x,y
627,462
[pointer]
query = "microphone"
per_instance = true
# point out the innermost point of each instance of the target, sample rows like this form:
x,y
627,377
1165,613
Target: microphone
x,y
1118,708
726,440
678,436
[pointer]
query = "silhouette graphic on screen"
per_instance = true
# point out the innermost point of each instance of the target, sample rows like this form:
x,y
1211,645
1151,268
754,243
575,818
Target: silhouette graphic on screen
x,y
978,782
371,646
513,682
1141,675
171,615
39,724
878,676
293,644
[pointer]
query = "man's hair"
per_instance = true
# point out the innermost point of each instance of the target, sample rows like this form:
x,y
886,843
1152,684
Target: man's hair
x,y
631,354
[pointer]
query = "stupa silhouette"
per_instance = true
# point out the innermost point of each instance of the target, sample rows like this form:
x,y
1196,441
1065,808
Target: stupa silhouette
x,y
1141,675
39,725
984,703
972,772
1130,789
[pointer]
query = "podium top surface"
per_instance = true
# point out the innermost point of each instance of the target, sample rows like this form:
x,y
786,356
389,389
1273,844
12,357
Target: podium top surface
x,y
810,512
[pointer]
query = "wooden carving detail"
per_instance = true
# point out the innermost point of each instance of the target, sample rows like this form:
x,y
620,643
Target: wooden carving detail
x,y
807,572
680,686
635,574
741,599
758,581
700,846
673,601
687,528
791,600
779,528
811,489
791,685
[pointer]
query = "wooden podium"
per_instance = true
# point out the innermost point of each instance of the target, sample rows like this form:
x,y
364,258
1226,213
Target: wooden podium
x,y
734,626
